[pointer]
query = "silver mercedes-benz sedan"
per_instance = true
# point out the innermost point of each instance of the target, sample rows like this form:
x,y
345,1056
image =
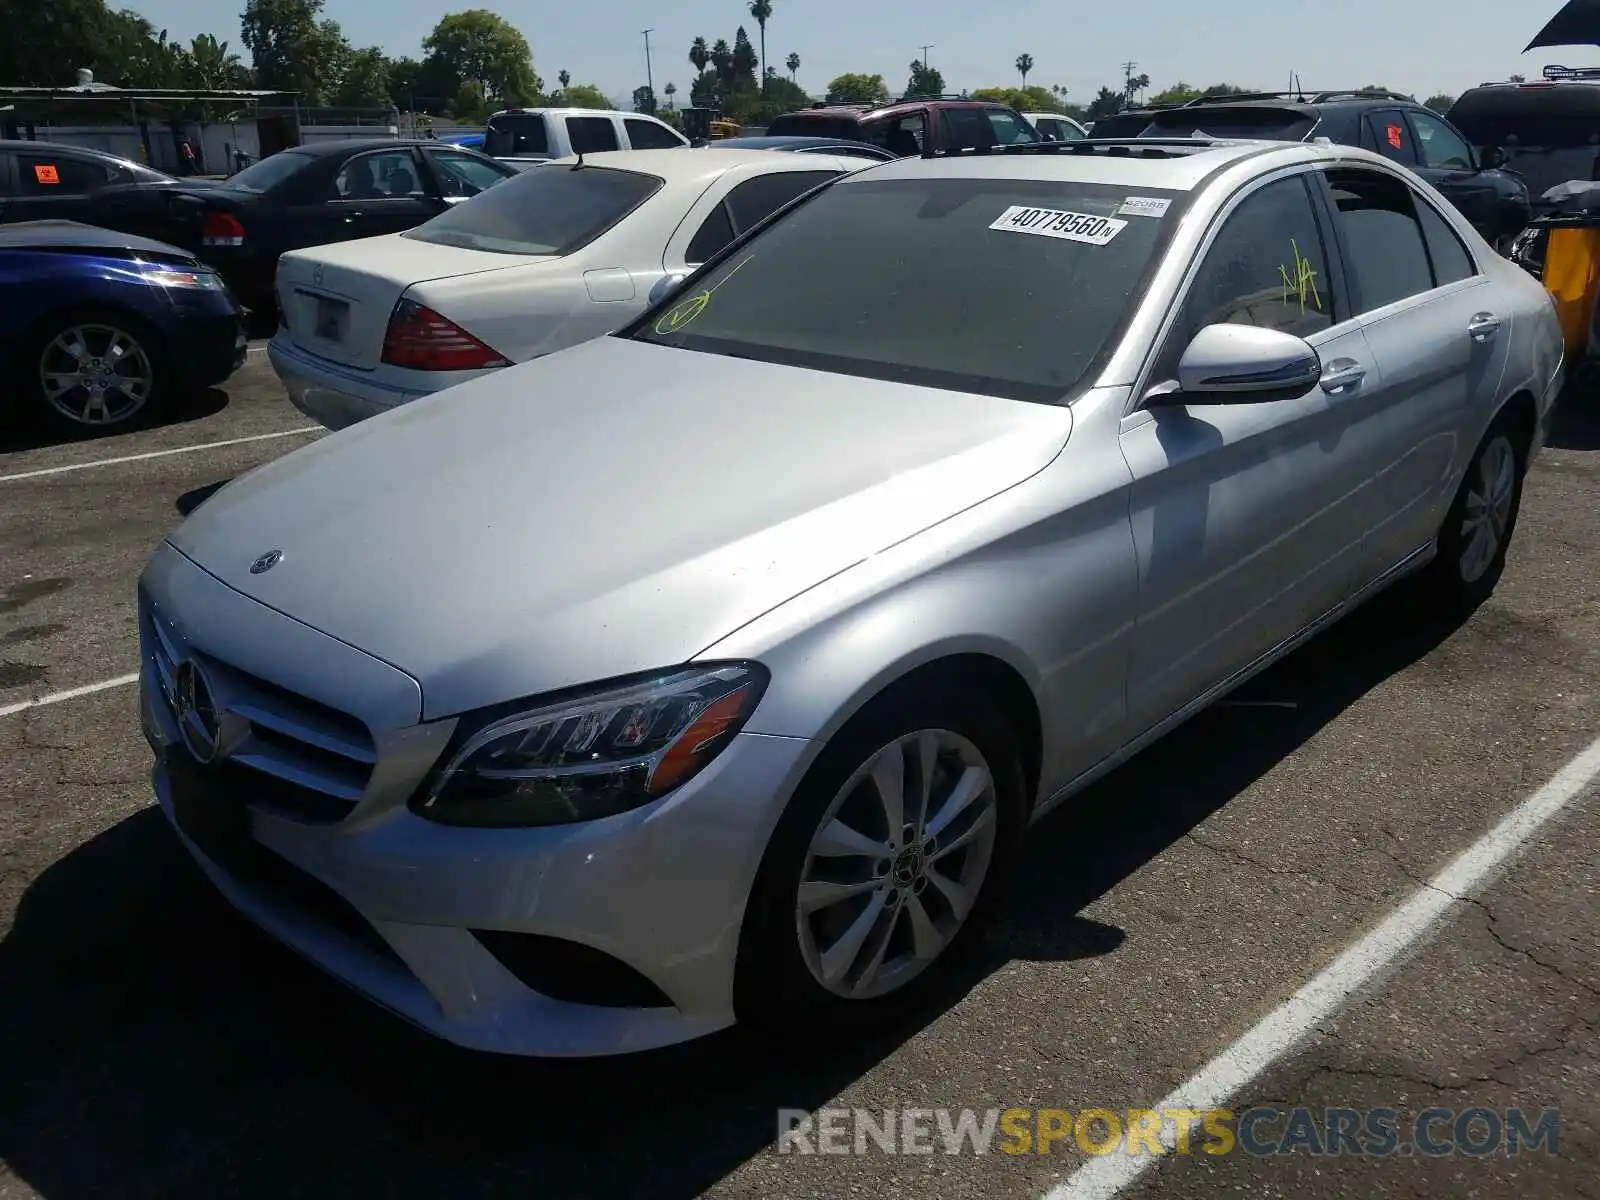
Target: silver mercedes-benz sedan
x,y
713,670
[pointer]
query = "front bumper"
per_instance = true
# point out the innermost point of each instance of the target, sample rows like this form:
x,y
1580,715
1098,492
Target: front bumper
x,y
329,394
210,347
660,890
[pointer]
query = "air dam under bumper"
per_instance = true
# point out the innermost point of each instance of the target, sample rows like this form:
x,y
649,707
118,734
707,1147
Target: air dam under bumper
x,y
635,886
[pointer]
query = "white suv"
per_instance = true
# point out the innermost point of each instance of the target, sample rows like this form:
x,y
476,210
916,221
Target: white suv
x,y
525,137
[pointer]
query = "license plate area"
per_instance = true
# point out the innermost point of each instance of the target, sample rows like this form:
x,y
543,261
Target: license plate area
x,y
219,824
330,318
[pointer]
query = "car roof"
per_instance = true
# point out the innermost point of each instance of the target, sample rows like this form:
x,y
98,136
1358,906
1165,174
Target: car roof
x,y
1177,166
350,145
573,112
796,141
678,165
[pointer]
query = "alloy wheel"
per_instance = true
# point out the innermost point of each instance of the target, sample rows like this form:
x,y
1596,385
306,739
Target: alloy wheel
x,y
1491,489
896,864
96,375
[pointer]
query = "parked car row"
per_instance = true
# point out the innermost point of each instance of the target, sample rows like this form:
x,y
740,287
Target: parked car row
x,y
715,670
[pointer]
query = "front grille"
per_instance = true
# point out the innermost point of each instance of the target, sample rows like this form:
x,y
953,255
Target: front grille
x,y
320,759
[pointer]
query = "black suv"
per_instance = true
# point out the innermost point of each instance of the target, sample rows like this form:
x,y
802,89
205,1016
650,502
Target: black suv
x,y
1396,126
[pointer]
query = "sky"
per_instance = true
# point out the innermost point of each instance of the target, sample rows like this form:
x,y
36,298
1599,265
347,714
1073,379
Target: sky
x,y
1422,47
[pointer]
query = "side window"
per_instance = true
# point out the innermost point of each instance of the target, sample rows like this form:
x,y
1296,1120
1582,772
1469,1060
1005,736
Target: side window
x,y
1387,257
383,174
714,233
903,138
1440,146
591,135
756,199
967,127
1008,127
1266,267
1390,136
1451,262
57,175
647,135
461,174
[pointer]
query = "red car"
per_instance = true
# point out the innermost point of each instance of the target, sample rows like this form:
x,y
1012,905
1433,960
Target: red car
x,y
906,127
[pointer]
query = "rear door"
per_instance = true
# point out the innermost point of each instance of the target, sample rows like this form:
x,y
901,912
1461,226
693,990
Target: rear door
x,y
904,136
1447,162
55,185
650,135
1439,341
458,176
729,207
379,191
1386,131
592,135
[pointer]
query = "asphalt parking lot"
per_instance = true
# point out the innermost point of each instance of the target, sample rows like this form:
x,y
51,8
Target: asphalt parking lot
x,y
154,1044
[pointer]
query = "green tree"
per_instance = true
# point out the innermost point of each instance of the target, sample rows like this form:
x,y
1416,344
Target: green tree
x,y
793,63
1024,65
152,59
670,91
1518,79
1178,93
485,49
744,62
425,86
722,64
564,78
213,67
699,56
293,48
1440,103
365,81
644,100
584,95
857,89
1107,101
924,81
1026,99
761,10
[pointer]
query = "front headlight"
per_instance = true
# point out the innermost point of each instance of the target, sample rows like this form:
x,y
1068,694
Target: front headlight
x,y
594,755
208,281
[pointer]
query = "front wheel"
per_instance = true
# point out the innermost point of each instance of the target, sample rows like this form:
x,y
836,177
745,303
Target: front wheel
x,y
96,372
1477,530
885,864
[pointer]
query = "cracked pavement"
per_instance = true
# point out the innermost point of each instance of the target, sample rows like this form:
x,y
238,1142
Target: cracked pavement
x,y
153,1044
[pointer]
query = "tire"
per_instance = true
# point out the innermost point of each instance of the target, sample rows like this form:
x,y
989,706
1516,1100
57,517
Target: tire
x,y
1477,531
123,354
781,967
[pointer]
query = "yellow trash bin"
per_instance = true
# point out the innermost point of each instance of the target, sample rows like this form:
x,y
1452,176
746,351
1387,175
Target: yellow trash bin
x,y
1571,272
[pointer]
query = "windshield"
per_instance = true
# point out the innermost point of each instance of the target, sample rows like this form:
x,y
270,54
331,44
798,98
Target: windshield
x,y
513,136
999,286
546,210
269,172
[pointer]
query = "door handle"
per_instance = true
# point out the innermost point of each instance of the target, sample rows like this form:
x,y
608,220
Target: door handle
x,y
1483,326
1342,373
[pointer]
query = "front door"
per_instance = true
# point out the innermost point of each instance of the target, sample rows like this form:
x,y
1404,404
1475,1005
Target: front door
x,y
381,191
1242,516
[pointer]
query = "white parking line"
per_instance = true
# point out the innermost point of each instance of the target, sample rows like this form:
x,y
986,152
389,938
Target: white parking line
x,y
1283,1029
87,689
128,458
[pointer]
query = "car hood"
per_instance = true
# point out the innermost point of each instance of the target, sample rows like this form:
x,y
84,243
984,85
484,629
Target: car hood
x,y
72,235
612,508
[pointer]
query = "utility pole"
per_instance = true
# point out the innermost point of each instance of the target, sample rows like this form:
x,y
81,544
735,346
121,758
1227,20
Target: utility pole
x,y
1127,82
649,75
925,50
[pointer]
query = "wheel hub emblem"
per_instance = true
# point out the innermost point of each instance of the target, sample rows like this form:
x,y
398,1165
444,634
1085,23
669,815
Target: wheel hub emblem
x,y
907,868
197,712
266,562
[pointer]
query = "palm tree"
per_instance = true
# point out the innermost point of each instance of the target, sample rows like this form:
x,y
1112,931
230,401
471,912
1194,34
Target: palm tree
x,y
699,56
215,68
671,90
793,63
1024,65
761,10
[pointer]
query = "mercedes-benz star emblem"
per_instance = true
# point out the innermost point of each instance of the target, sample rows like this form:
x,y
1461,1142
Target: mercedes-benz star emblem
x,y
198,720
266,562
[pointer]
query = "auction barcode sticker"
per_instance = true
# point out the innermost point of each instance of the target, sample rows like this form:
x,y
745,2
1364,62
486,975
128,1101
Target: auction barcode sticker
x,y
1058,223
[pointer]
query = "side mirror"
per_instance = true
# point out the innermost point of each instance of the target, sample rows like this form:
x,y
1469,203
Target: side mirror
x,y
1493,158
1245,364
666,285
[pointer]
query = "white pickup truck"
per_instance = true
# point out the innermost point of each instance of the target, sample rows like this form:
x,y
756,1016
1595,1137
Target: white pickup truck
x,y
526,137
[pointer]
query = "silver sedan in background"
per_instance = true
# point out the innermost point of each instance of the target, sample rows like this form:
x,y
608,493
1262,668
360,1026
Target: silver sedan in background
x,y
714,670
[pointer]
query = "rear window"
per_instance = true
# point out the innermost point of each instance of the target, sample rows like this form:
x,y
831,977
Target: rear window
x,y
797,125
547,210
518,135
1273,124
1004,287
270,171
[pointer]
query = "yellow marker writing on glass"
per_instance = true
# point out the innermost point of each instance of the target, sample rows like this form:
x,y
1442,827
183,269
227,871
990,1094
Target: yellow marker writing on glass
x,y
1303,281
679,315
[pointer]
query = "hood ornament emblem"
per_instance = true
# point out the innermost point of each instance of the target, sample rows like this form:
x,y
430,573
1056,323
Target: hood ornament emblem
x,y
266,562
